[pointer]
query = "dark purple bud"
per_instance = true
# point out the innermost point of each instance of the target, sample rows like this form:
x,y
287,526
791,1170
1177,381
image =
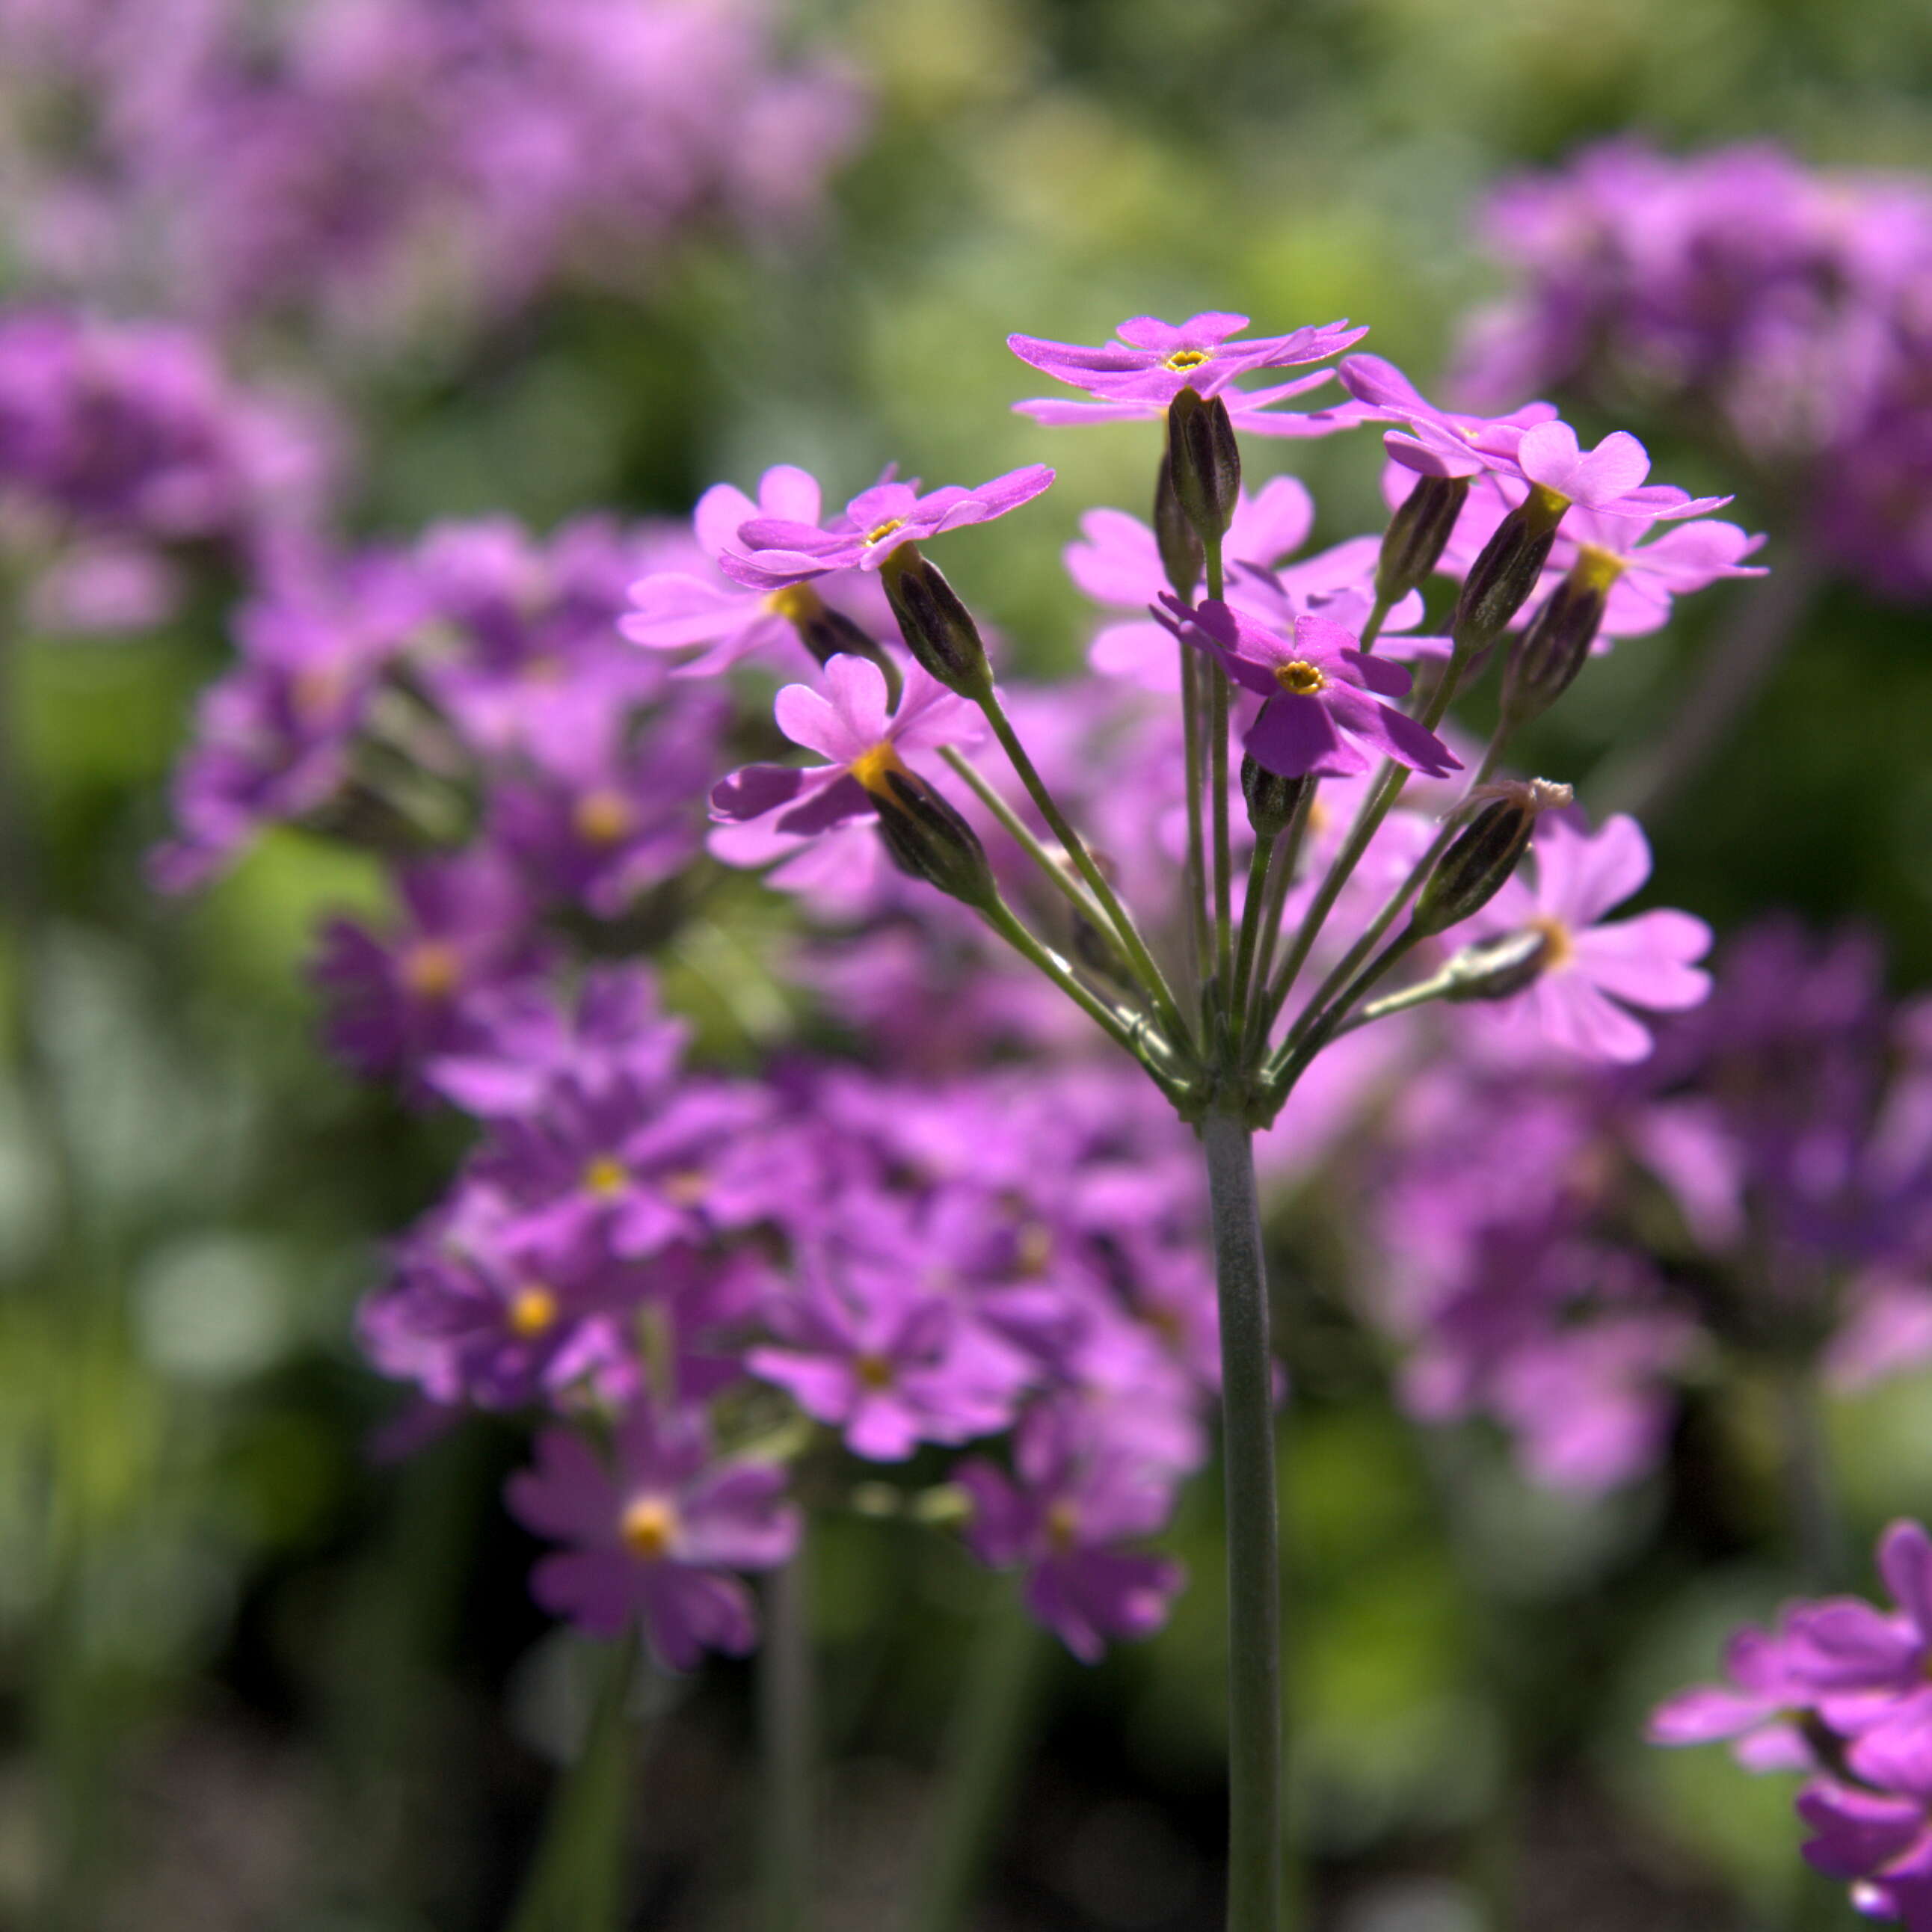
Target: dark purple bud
x,y
1556,645
1273,800
1497,968
928,839
1204,462
1485,853
1501,580
937,629
1181,556
1413,545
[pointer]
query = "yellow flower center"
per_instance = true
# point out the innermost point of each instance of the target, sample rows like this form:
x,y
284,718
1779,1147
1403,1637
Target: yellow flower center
x,y
1063,1527
885,529
545,668
797,603
606,1176
871,768
603,817
648,1525
1559,945
874,1371
1542,508
687,1187
1188,358
532,1311
432,969
1301,678
1597,569
1035,1248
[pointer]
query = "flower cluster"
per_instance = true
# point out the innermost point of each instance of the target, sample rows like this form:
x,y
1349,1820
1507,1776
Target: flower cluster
x,y
1838,1690
363,168
125,450
1559,1242
1790,301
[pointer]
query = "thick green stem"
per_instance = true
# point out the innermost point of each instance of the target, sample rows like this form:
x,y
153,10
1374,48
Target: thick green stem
x,y
576,1880
1142,960
982,1763
1255,1747
789,1729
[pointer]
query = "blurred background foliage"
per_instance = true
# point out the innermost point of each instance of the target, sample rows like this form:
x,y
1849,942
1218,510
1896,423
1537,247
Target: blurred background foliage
x,y
289,1683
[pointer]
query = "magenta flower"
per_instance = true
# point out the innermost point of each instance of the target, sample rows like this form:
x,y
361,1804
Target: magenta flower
x,y
1322,715
848,725
672,610
1152,361
1609,477
1434,442
655,1537
1645,567
1078,1499
1757,1708
1593,972
1859,1661
1117,562
888,1366
773,552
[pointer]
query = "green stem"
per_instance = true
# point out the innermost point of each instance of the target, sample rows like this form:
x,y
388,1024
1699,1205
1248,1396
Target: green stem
x,y
1254,911
1281,883
1255,1741
1393,906
982,1763
789,1728
1199,942
1143,961
1000,917
575,1882
1021,834
1378,617
1220,694
1293,1060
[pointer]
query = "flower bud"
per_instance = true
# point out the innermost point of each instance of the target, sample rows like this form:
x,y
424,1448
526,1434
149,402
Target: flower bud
x,y
927,838
1417,533
1497,968
1180,553
938,629
1273,800
1485,853
1557,644
1501,580
1204,462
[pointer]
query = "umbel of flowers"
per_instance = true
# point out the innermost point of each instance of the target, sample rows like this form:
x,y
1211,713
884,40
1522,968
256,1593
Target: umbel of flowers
x,y
1070,939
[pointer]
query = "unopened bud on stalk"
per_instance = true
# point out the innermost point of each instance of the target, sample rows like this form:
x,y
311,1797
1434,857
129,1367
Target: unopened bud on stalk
x,y
1180,553
1204,462
1497,968
927,838
1556,645
1417,533
1485,853
938,629
822,630
1273,800
1501,580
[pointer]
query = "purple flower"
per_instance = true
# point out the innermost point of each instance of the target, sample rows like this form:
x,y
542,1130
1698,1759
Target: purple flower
x,y
399,1000
1322,713
847,724
774,552
655,1535
674,610
1152,361
1857,1660
1645,567
1609,477
860,1350
1593,972
1756,1709
1078,1497
1434,442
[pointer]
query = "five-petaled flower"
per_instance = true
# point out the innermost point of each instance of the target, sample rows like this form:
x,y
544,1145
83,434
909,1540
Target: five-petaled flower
x,y
1322,715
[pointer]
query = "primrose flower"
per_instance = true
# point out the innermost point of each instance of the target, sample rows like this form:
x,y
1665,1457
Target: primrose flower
x,y
1593,973
1609,477
672,610
1432,441
774,552
888,1366
849,726
655,1537
1644,568
1078,1498
1322,716
1151,362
